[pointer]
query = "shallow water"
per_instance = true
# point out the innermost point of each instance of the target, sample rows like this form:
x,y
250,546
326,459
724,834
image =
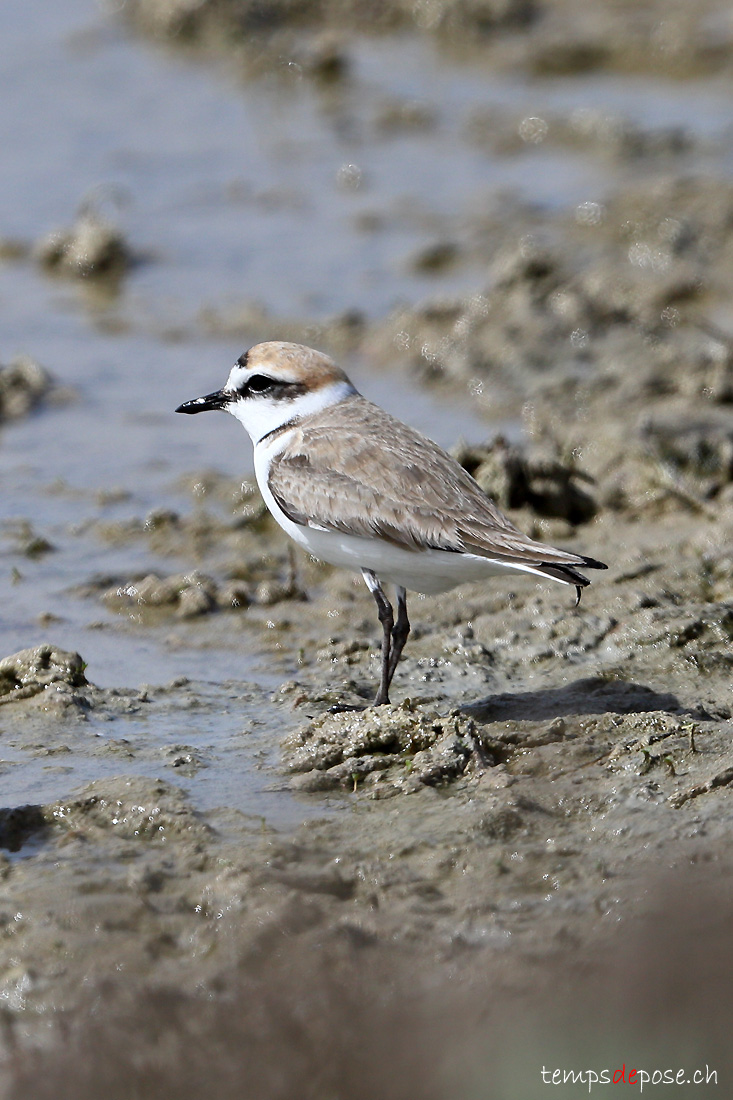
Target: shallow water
x,y
230,192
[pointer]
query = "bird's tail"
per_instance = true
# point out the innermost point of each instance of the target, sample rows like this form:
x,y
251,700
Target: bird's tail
x,y
568,574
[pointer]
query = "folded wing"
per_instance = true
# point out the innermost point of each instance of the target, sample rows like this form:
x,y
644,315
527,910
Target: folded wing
x,y
354,468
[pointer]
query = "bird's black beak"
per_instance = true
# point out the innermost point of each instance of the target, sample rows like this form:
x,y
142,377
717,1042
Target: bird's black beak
x,y
218,400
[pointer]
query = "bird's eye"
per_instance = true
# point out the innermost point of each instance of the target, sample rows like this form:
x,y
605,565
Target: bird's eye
x,y
276,389
260,383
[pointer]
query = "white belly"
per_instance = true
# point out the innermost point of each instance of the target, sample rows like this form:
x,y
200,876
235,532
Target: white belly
x,y
428,571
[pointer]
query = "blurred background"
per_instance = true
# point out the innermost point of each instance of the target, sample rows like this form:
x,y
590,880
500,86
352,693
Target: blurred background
x,y
503,217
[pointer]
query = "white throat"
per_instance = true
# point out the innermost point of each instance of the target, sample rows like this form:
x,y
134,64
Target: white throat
x,y
262,415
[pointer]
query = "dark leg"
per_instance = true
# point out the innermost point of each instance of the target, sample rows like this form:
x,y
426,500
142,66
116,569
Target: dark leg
x,y
400,632
386,618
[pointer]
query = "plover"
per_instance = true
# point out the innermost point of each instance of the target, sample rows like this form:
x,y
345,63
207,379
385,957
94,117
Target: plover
x,y
356,487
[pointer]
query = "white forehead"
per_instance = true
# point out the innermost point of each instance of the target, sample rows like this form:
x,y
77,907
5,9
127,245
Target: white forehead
x,y
237,376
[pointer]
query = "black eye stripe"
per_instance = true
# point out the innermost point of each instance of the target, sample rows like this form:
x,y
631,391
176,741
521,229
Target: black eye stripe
x,y
276,389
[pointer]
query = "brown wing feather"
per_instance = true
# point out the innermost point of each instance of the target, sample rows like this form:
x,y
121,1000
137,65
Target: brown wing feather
x,y
354,468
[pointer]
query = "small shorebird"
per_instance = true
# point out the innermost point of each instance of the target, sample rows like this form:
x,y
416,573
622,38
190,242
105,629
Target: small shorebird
x,y
356,487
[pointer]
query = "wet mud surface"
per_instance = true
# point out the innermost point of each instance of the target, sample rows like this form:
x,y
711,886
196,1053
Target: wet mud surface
x,y
546,804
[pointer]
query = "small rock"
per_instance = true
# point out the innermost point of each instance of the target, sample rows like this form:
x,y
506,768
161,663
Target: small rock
x,y
49,677
435,258
193,601
411,747
91,248
549,487
446,760
325,58
23,385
